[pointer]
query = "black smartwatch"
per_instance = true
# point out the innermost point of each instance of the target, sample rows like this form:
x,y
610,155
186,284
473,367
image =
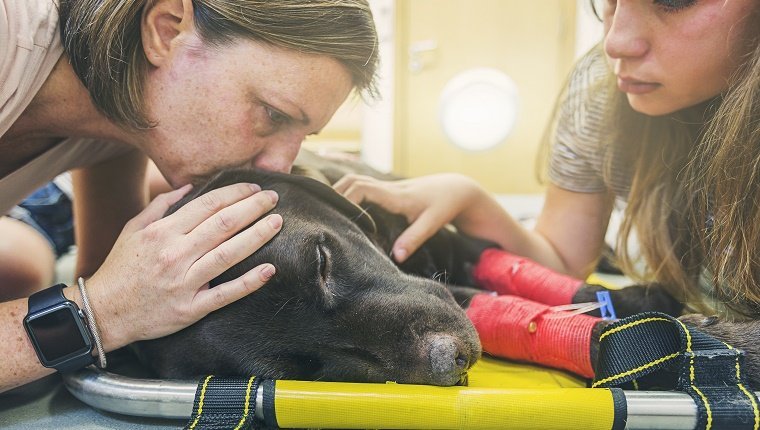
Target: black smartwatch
x,y
58,330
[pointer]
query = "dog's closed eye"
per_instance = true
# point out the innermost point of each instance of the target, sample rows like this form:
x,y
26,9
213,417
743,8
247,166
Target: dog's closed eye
x,y
324,260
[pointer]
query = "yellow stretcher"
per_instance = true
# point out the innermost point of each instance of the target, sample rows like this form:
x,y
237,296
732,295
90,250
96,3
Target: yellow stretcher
x,y
499,395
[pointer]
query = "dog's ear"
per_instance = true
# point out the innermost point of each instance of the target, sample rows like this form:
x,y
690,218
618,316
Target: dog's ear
x,y
328,195
389,225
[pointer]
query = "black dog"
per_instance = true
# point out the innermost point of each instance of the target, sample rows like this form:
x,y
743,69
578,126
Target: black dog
x,y
338,308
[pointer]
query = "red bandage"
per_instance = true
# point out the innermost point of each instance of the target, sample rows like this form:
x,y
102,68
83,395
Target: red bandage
x,y
519,329
509,274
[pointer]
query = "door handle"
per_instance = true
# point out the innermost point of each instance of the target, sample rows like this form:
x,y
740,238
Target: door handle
x,y
419,54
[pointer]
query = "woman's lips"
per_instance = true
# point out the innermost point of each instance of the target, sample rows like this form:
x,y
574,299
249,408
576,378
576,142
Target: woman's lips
x,y
633,86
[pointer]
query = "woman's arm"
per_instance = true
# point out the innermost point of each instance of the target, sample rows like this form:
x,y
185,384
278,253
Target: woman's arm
x,y
20,364
155,279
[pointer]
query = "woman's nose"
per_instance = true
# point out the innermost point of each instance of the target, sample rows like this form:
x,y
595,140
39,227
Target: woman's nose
x,y
279,156
628,31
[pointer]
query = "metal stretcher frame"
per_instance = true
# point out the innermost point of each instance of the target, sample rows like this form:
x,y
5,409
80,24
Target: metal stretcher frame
x,y
383,406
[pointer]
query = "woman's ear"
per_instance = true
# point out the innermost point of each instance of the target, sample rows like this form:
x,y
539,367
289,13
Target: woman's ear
x,y
163,22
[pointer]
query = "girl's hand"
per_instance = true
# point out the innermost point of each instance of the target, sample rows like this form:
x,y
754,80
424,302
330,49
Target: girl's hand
x,y
428,203
155,280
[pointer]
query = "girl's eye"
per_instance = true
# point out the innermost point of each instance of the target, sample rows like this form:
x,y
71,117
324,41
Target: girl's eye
x,y
674,5
603,8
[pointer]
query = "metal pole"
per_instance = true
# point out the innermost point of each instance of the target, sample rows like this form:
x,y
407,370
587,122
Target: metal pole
x,y
660,410
174,399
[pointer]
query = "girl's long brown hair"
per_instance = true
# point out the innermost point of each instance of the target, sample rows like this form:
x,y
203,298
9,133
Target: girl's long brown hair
x,y
658,203
722,180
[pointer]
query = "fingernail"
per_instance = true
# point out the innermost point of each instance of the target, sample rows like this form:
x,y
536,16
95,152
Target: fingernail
x,y
275,221
272,195
255,187
267,272
399,254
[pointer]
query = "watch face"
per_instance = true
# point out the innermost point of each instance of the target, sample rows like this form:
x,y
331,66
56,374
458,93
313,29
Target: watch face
x,y
58,333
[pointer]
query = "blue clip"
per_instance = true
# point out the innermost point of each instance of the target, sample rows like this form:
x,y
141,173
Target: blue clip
x,y
607,310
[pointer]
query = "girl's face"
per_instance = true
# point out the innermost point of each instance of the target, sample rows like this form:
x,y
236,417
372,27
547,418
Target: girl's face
x,y
672,54
244,104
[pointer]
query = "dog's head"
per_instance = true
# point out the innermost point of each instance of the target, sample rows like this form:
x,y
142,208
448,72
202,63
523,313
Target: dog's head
x,y
337,309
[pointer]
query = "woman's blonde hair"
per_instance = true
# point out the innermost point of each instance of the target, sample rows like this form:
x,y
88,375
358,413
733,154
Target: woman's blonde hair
x,y
103,42
694,198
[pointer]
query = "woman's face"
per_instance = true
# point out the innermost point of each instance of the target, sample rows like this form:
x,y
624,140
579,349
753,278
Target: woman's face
x,y
672,54
244,104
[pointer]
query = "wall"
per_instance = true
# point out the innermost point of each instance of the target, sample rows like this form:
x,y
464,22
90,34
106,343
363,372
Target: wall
x,y
378,132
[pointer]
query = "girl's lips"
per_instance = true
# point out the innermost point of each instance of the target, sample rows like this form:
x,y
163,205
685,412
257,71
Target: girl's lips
x,y
632,86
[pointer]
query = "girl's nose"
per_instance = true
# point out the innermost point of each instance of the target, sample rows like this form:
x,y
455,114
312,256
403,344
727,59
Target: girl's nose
x,y
627,30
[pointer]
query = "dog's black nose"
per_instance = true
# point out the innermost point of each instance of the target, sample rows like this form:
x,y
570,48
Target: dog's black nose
x,y
449,359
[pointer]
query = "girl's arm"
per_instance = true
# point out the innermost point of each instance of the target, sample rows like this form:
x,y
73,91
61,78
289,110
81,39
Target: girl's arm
x,y
573,226
106,196
568,236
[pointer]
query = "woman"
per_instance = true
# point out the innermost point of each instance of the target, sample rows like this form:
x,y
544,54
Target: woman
x,y
101,85
664,114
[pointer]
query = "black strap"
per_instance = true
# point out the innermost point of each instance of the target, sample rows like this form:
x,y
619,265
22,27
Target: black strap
x,y
47,298
224,404
654,350
620,406
268,409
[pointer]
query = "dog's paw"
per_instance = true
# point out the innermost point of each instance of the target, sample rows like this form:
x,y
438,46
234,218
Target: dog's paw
x,y
633,300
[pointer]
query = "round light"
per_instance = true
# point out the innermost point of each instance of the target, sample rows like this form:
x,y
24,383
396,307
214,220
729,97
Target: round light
x,y
478,108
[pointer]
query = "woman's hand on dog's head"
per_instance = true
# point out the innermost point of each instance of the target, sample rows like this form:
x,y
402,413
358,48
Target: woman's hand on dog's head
x,y
155,281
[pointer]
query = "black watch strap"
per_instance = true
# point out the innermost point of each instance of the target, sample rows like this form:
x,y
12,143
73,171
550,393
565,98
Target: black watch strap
x,y
75,363
47,298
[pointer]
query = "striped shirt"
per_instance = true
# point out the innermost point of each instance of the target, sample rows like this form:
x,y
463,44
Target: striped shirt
x,y
582,141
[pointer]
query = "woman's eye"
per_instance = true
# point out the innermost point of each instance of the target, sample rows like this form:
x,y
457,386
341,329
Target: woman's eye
x,y
275,116
674,5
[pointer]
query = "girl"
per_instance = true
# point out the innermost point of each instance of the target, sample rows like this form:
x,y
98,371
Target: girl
x,y
664,114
